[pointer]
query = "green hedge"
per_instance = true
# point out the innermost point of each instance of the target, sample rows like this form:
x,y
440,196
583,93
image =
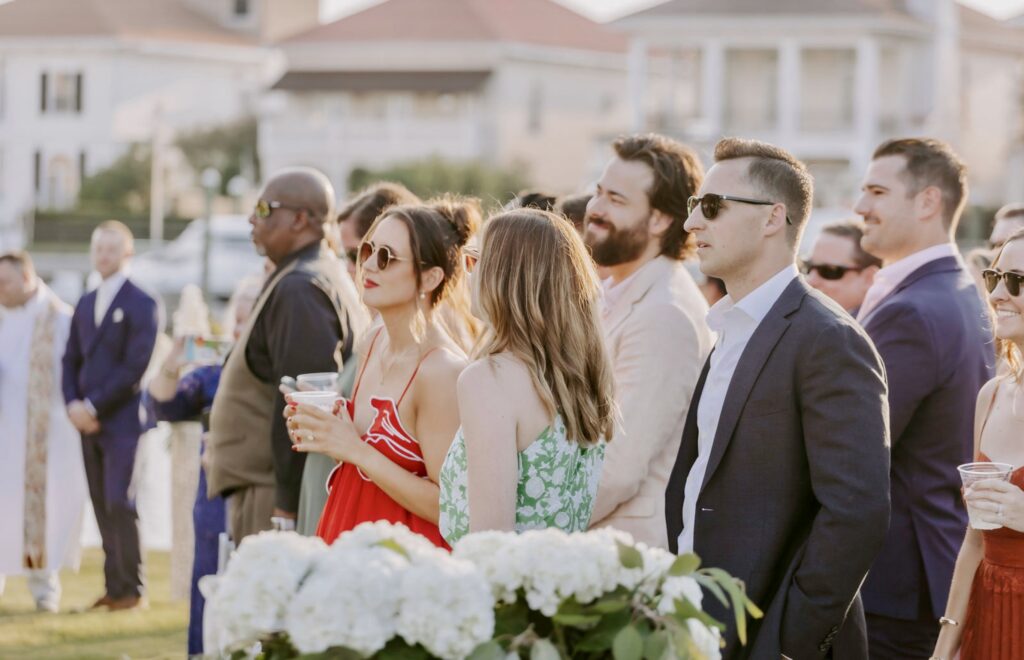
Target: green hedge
x,y
76,227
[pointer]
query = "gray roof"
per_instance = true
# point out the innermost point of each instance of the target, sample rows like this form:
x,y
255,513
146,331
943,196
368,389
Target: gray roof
x,y
445,82
760,7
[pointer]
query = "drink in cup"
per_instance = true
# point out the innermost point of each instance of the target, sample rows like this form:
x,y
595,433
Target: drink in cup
x,y
326,381
971,473
322,400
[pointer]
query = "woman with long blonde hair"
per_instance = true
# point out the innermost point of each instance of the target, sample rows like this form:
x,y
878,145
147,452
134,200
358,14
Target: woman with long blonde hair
x,y
537,403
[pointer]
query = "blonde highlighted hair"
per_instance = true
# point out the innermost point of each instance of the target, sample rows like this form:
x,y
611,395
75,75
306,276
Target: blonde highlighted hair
x,y
539,293
1008,351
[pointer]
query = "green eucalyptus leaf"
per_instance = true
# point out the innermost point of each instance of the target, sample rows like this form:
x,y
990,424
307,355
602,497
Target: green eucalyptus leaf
x,y
608,605
491,650
581,621
628,644
684,565
543,649
392,544
629,556
511,619
601,636
687,610
709,583
656,646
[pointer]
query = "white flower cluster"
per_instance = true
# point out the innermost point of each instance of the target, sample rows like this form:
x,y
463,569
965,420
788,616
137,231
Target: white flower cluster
x,y
252,598
683,586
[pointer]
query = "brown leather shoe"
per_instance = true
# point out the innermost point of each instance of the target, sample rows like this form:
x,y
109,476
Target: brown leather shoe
x,y
128,603
103,601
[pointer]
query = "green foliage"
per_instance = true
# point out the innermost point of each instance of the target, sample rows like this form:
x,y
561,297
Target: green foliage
x,y
123,185
229,148
435,176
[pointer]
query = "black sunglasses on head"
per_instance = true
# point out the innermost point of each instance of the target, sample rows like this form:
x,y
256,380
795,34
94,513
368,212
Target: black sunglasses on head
x,y
711,204
827,271
1013,280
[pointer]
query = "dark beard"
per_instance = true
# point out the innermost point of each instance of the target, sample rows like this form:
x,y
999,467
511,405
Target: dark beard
x,y
621,246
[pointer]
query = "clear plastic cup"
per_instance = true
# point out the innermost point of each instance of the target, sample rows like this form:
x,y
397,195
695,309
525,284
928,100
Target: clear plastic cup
x,y
322,400
325,381
971,473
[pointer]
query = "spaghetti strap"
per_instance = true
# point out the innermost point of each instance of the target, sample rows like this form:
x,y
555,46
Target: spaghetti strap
x,y
366,361
413,377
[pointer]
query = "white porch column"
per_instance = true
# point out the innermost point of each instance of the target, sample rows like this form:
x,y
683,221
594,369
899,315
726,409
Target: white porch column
x,y
866,105
712,86
638,84
788,90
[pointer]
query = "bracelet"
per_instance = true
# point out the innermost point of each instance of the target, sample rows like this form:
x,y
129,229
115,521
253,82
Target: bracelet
x,y
945,620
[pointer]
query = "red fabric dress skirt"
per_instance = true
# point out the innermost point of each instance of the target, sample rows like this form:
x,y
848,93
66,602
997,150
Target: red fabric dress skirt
x,y
994,626
355,499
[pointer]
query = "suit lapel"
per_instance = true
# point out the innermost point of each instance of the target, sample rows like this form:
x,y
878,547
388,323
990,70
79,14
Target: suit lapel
x,y
106,316
752,361
942,265
635,290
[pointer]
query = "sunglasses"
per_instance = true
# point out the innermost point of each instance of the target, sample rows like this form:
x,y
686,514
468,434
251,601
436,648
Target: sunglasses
x,y
1013,280
470,258
264,208
384,255
711,204
827,271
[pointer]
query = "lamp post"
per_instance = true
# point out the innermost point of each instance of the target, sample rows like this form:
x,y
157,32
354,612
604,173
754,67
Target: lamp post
x,y
210,180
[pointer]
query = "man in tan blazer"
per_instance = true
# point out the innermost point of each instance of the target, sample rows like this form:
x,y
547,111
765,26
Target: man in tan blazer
x,y
653,321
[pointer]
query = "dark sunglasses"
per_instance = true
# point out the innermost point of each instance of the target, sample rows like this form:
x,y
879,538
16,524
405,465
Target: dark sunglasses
x,y
827,271
1013,280
711,204
265,207
384,255
470,258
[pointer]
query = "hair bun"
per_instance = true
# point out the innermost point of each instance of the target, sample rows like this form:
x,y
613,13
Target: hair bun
x,y
463,213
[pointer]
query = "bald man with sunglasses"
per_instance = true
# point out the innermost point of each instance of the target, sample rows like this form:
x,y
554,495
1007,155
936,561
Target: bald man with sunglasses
x,y
299,324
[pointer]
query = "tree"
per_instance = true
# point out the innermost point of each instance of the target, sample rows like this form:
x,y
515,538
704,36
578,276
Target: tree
x,y
434,176
228,148
122,185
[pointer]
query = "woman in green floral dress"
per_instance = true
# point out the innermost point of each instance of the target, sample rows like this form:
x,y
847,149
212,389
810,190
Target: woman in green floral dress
x,y
537,403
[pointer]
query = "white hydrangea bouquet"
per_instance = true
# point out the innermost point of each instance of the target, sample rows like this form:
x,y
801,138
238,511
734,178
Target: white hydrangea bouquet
x,y
382,591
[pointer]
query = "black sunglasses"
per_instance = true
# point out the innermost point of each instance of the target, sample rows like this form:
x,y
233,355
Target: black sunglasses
x,y
1013,280
711,204
827,271
265,207
384,255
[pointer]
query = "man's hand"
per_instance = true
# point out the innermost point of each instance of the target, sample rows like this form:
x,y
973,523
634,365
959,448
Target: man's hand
x,y
82,418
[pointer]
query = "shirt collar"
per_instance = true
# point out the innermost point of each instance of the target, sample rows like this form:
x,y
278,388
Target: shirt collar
x,y
756,304
311,251
114,282
898,271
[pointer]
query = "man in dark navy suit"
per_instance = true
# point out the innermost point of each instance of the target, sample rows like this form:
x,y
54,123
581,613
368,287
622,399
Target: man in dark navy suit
x,y
112,336
925,316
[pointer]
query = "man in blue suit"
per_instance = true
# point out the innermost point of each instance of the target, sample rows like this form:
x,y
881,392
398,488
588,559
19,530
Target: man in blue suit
x,y
926,318
112,335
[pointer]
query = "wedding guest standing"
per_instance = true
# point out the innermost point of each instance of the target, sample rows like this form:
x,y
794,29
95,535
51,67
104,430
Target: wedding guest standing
x,y
1009,220
113,332
984,616
299,325
42,479
839,267
357,216
925,316
782,475
653,321
537,403
392,436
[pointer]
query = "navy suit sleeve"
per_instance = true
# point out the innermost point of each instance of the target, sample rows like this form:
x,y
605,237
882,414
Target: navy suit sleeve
x,y
72,360
843,408
903,338
123,382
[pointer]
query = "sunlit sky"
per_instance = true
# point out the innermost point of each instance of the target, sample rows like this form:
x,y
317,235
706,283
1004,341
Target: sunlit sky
x,y
602,10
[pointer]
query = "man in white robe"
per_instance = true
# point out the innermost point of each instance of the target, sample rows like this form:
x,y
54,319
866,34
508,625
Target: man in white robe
x,y
42,475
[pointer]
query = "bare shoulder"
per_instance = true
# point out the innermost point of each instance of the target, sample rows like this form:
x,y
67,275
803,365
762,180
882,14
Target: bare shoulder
x,y
494,374
985,394
442,366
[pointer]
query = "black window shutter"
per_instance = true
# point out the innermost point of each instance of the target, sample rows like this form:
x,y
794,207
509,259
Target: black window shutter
x,y
78,92
37,169
42,92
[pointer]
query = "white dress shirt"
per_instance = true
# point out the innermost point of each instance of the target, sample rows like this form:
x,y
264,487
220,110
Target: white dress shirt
x,y
890,277
105,293
734,323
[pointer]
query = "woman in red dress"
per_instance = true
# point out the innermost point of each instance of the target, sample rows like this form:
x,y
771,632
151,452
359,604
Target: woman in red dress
x,y
985,615
393,435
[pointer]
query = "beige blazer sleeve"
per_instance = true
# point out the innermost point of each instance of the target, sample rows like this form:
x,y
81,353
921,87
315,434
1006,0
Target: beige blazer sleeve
x,y
657,354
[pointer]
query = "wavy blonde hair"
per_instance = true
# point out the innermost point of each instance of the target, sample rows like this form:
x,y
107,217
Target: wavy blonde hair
x,y
539,293
1008,351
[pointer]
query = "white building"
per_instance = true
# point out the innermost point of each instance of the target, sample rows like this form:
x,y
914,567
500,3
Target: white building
x,y
81,81
830,80
527,82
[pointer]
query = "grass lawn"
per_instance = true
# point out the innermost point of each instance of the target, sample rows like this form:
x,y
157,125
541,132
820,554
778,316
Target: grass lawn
x,y
158,632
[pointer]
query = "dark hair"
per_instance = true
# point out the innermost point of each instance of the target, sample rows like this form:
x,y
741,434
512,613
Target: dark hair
x,y
19,259
532,199
574,208
853,230
369,203
438,229
678,175
931,162
778,174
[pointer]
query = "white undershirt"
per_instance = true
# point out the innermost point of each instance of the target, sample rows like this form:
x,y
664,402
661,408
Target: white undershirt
x,y
105,293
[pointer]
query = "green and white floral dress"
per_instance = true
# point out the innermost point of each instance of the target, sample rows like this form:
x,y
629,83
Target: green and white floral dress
x,y
557,484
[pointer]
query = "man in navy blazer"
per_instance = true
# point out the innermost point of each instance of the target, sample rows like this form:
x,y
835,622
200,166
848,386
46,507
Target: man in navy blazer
x,y
112,335
926,318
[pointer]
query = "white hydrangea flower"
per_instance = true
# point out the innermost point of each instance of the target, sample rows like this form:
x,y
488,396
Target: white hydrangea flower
x,y
251,599
447,606
707,640
371,534
495,555
350,599
679,587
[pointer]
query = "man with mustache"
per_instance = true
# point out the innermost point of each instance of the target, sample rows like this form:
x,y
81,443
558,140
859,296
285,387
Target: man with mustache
x,y
653,320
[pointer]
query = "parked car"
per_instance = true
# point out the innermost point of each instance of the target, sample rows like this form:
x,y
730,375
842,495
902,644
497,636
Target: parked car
x,y
168,269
